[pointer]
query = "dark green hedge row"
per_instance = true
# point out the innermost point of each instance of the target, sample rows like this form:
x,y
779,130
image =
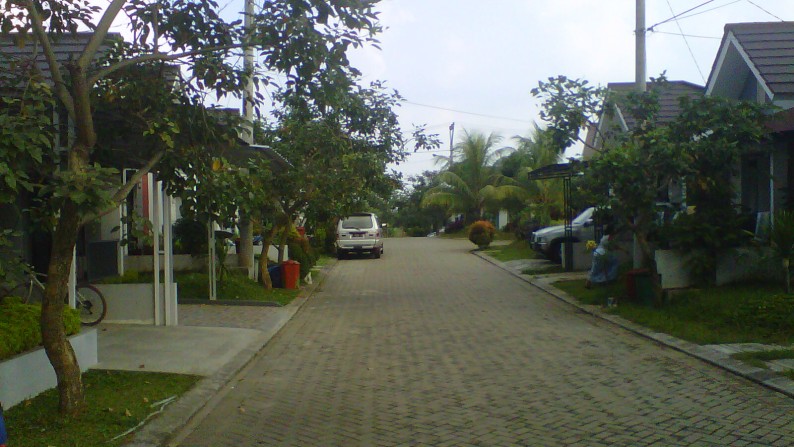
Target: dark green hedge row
x,y
20,330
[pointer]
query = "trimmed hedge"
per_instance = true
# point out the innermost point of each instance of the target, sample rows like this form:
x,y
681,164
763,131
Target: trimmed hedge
x,y
20,329
481,233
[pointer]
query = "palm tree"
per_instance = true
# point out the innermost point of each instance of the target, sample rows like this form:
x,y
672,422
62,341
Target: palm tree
x,y
545,197
473,184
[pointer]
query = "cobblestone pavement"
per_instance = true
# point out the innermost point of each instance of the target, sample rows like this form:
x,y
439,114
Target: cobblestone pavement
x,y
245,317
432,346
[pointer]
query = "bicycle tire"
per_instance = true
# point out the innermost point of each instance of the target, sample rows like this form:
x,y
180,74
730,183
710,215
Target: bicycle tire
x,y
91,304
29,293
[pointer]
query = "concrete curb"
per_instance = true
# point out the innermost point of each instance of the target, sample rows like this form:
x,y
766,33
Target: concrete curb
x,y
192,407
763,377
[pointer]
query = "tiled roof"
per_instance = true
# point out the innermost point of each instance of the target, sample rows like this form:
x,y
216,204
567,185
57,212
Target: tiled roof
x,y
668,98
770,47
67,47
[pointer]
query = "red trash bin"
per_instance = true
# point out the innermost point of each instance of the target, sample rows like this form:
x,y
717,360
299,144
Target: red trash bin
x,y
291,272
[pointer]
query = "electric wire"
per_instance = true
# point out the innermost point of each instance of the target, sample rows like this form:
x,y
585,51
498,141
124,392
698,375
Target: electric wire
x,y
762,9
675,16
467,113
691,53
687,35
709,10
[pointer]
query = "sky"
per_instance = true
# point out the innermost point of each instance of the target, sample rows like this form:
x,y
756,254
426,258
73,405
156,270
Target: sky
x,y
474,62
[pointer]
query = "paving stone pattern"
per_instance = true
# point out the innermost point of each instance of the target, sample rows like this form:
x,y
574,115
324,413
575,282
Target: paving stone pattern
x,y
433,346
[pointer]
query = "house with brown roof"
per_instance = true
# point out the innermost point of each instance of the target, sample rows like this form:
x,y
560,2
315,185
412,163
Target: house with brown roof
x,y
755,62
618,120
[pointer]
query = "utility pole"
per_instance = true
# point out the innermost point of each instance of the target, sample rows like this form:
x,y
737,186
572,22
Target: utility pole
x,y
639,35
451,138
245,258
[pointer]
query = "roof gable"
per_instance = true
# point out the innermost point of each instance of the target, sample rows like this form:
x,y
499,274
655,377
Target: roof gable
x,y
760,53
669,105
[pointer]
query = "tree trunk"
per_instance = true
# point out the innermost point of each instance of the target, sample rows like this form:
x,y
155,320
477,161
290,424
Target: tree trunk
x,y
267,240
283,241
53,333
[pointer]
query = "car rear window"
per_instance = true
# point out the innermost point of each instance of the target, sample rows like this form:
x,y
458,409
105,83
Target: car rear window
x,y
359,222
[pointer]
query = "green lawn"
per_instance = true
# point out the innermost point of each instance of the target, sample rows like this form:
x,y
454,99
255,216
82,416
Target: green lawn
x,y
511,252
117,401
233,287
757,358
737,313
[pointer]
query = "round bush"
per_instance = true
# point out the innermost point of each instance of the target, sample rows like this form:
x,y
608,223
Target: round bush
x,y
481,233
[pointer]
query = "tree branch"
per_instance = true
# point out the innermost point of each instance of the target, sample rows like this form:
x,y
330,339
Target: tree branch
x,y
155,57
125,189
60,86
99,34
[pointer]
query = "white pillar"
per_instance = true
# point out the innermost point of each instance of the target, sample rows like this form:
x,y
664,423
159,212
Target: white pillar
x,y
168,262
73,280
156,205
211,261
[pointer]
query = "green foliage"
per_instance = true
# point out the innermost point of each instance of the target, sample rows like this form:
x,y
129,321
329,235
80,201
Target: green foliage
x,y
704,234
481,233
769,315
519,249
782,238
473,185
190,236
112,395
737,313
20,328
301,250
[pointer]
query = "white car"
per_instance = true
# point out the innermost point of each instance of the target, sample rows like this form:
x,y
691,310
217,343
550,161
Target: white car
x,y
359,233
549,240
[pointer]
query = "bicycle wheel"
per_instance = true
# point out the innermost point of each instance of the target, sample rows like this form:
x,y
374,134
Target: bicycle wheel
x,y
91,304
29,293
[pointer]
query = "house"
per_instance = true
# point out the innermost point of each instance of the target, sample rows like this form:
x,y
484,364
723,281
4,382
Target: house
x,y
618,120
754,63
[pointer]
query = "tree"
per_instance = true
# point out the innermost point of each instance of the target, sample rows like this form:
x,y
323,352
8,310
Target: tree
x,y
410,212
472,185
300,39
545,198
701,146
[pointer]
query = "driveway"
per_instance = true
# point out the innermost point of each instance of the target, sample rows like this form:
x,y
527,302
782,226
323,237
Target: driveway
x,y
433,346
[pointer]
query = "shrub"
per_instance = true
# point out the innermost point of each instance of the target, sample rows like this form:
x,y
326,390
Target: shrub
x,y
481,233
416,232
190,236
301,250
454,227
20,328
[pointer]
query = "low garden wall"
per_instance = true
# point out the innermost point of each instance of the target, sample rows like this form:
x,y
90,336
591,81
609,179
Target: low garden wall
x,y
133,303
29,374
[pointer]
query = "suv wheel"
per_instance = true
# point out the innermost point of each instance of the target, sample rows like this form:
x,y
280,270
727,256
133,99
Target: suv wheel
x,y
340,254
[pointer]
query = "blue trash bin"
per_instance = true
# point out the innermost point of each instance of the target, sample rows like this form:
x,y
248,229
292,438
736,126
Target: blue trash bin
x,y
275,276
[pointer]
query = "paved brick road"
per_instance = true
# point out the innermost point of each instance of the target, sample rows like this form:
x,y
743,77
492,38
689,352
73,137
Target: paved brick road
x,y
433,346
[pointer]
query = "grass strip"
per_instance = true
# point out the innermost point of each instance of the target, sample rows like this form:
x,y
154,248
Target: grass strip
x,y
759,358
116,402
511,252
735,313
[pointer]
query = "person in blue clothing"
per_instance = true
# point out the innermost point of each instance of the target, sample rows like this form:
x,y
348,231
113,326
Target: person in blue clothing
x,y
3,434
604,268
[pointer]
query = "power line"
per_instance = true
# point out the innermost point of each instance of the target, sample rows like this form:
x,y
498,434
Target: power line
x,y
687,35
709,10
468,113
694,59
675,16
762,9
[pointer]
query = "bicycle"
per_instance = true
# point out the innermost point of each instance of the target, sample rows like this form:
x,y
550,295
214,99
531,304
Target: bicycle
x,y
89,301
